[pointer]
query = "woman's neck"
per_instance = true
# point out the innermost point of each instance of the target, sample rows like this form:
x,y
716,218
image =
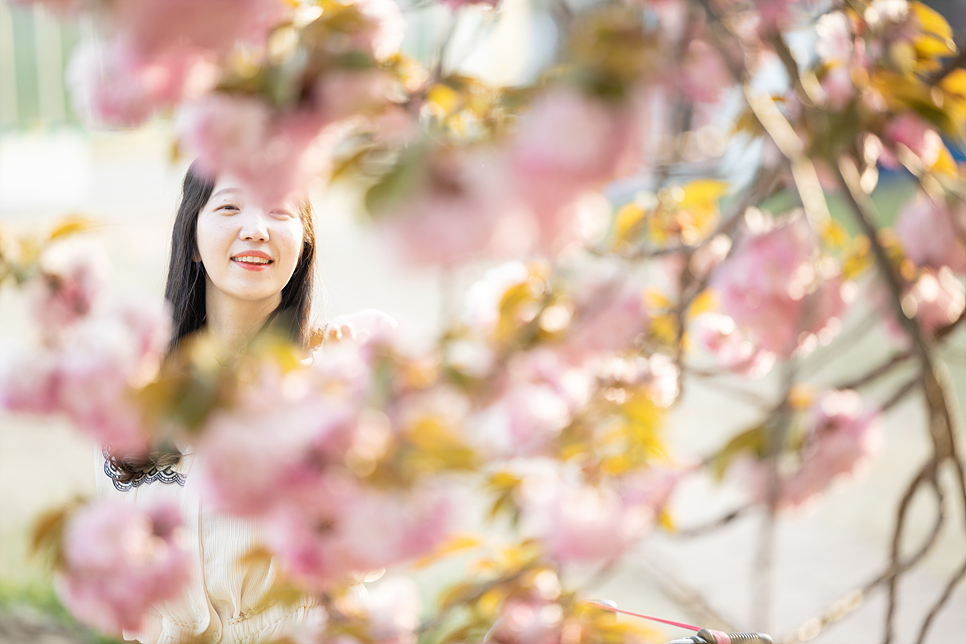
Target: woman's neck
x,y
232,323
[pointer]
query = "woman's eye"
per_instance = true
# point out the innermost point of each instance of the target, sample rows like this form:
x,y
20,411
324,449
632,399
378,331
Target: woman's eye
x,y
227,208
282,214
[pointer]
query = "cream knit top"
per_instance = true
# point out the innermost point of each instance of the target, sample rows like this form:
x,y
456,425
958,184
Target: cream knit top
x,y
218,605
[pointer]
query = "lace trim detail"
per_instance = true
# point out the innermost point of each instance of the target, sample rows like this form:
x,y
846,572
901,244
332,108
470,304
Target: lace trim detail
x,y
166,475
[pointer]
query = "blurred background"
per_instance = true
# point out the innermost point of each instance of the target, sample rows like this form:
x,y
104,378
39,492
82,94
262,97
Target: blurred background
x,y
129,181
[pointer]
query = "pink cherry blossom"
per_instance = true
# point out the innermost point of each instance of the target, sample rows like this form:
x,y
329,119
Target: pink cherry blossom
x,y
841,440
462,210
530,619
348,528
910,131
577,521
72,278
834,44
30,382
565,144
610,315
537,401
657,375
839,89
362,327
248,467
101,364
933,234
718,334
113,84
343,93
91,371
773,286
704,74
120,560
157,26
273,154
936,299
773,14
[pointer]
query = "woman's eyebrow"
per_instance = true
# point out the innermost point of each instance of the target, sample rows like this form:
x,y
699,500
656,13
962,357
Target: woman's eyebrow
x,y
224,191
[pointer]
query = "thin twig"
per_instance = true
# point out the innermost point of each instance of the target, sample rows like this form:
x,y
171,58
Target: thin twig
x,y
689,598
947,593
851,601
899,394
711,526
875,373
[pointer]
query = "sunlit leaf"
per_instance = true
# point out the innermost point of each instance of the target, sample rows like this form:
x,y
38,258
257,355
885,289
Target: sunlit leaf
x,y
456,543
72,225
751,440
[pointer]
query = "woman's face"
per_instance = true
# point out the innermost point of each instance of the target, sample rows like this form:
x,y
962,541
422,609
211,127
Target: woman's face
x,y
249,252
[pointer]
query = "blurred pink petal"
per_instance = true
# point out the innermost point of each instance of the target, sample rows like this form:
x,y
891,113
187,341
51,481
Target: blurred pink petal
x,y
933,234
273,154
462,209
773,286
156,26
120,560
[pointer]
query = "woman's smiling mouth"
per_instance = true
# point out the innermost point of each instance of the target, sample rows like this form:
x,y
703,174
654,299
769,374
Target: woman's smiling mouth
x,y
252,261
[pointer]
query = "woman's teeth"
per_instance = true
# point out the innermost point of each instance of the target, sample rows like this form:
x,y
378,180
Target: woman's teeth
x,y
252,260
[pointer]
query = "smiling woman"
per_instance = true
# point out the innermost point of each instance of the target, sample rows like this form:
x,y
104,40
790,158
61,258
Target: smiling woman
x,y
219,224
236,268
249,253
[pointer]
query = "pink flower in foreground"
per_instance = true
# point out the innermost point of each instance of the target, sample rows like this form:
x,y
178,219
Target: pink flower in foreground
x,y
343,93
72,278
92,372
462,210
577,521
565,144
839,89
610,313
772,286
538,401
936,299
273,154
704,74
933,234
721,337
248,467
157,26
347,529
115,85
361,327
29,382
834,44
530,619
909,130
120,560
841,440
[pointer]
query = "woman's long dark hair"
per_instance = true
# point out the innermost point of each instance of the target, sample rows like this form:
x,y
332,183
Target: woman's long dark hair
x,y
185,293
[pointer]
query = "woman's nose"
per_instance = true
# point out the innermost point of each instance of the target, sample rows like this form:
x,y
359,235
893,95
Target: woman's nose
x,y
254,227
